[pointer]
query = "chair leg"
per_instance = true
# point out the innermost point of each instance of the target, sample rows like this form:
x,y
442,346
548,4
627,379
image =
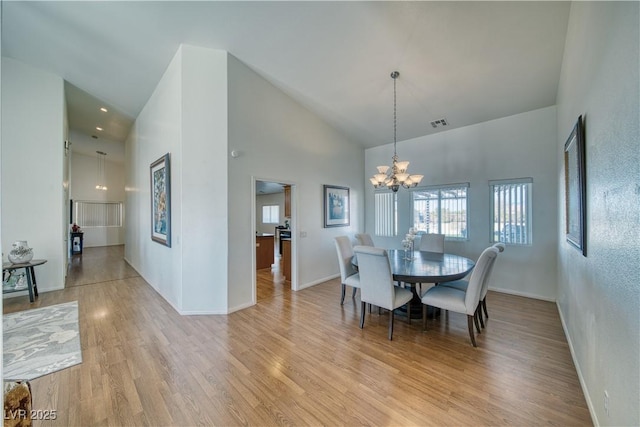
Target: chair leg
x,y
391,324
363,311
344,289
479,315
470,324
475,320
353,295
484,306
424,317
409,312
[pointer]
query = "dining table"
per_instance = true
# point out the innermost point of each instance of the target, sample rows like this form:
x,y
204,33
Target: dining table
x,y
413,267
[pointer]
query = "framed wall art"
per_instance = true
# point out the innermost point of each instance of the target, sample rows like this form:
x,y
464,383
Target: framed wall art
x,y
336,206
161,201
575,188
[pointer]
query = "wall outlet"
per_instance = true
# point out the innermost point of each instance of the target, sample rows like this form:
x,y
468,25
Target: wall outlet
x,y
606,403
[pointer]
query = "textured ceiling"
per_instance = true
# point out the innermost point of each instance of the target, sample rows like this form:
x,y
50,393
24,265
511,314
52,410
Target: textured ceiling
x,y
467,62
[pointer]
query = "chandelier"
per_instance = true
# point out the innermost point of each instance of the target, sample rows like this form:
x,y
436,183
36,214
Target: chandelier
x,y
397,175
100,172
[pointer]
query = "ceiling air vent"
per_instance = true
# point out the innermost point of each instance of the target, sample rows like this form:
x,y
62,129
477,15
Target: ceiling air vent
x,y
439,123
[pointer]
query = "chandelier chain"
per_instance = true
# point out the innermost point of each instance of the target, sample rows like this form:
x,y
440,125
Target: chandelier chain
x,y
396,176
395,115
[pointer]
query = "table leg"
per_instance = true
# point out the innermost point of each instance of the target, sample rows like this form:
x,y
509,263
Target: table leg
x,y
29,284
33,277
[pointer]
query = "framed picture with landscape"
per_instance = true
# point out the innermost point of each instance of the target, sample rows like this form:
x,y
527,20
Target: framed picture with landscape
x,y
336,206
575,187
161,201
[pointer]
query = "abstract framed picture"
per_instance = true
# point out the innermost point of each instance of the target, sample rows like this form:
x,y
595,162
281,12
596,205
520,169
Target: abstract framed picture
x,y
161,201
575,188
336,206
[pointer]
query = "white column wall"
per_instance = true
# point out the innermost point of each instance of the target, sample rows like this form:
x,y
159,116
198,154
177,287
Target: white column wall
x,y
518,146
280,140
33,133
204,180
599,295
156,131
186,117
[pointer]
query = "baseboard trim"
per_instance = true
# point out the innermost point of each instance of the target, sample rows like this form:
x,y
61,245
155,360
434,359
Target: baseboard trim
x,y
317,282
238,307
583,384
521,294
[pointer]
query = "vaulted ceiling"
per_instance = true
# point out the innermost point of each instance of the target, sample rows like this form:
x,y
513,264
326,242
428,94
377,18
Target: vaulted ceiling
x,y
466,62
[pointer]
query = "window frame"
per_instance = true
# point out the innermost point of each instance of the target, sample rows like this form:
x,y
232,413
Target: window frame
x,y
271,209
528,215
440,189
81,218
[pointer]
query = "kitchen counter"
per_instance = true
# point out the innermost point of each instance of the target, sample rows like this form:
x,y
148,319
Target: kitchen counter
x,y
264,250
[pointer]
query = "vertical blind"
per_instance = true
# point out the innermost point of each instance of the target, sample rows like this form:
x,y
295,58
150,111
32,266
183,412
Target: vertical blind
x,y
98,214
511,211
385,214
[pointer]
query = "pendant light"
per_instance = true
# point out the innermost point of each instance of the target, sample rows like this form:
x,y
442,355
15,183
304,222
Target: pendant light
x,y
100,171
397,175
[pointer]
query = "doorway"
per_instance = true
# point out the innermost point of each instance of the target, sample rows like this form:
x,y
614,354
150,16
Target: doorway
x,y
274,230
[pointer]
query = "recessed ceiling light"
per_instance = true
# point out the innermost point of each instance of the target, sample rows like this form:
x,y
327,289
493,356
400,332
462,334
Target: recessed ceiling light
x,y
98,128
104,110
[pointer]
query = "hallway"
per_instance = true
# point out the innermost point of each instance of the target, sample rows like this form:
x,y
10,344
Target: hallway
x,y
99,264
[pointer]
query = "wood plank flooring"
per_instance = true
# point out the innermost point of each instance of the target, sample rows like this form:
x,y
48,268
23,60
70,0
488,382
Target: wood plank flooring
x,y
299,358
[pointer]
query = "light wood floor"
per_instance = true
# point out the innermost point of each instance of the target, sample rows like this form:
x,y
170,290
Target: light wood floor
x,y
299,358
100,264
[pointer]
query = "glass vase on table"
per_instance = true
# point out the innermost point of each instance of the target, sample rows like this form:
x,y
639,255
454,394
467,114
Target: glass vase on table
x,y
407,245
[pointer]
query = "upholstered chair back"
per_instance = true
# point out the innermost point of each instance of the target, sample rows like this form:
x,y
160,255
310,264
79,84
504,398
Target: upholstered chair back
x,y
345,256
376,279
432,243
364,239
477,279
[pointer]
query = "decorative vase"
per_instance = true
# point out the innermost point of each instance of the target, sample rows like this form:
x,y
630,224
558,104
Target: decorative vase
x,y
20,253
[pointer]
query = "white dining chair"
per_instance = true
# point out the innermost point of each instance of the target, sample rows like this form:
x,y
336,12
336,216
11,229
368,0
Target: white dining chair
x,y
459,301
348,274
364,239
432,243
377,285
463,283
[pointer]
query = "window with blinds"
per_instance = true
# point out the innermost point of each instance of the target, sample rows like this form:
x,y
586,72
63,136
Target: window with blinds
x,y
441,210
271,214
511,211
98,214
386,214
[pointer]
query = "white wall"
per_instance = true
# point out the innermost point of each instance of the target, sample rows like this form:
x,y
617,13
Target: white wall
x,y
269,200
33,133
518,146
83,187
204,180
279,140
599,295
186,117
156,131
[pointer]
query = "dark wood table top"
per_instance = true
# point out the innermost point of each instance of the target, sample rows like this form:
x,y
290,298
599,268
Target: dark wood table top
x,y
32,263
428,267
